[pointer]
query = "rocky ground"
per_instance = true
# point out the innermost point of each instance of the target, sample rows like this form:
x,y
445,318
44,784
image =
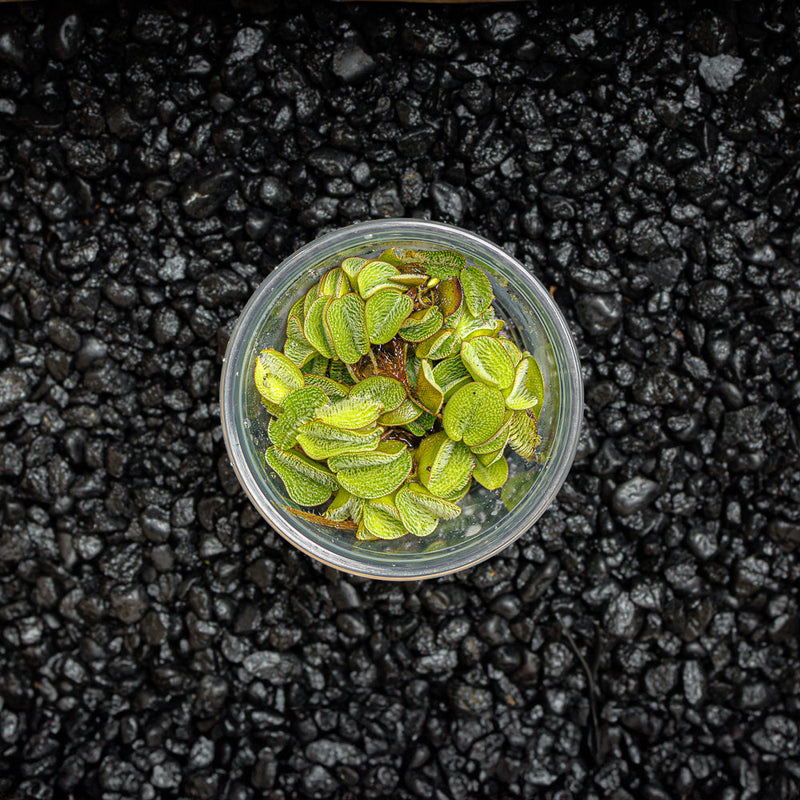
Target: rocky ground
x,y
158,641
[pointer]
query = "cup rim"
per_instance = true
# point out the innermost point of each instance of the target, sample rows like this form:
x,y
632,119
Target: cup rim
x,y
553,474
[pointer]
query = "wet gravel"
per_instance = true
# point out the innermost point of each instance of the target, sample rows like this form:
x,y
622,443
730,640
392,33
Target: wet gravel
x,y
157,641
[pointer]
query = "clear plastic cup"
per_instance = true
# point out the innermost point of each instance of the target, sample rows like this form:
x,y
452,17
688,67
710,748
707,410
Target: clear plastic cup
x,y
489,521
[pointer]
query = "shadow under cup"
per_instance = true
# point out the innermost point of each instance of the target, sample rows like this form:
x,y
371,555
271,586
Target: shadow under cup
x,y
489,521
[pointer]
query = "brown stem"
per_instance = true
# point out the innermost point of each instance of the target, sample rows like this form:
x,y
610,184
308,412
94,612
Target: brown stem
x,y
344,525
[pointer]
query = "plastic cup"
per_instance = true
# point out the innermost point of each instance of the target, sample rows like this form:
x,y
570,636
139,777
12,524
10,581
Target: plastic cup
x,y
490,521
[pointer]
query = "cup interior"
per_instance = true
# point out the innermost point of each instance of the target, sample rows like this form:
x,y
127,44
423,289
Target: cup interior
x,y
489,520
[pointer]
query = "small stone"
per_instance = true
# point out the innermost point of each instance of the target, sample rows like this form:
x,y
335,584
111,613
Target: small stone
x,y
14,388
622,618
351,64
634,495
719,72
66,36
448,202
599,313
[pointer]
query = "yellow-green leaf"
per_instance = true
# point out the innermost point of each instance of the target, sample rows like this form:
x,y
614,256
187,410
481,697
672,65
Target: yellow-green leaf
x,y
294,322
487,361
443,344
351,412
314,327
298,408
444,466
299,352
334,283
477,290
523,436
333,389
375,481
421,425
451,375
307,482
350,267
474,413
494,476
321,441
527,390
449,296
406,412
276,376
373,276
497,440
420,511
346,324
318,365
442,264
339,509
382,519
338,372
386,311
384,390
514,353
428,392
386,453
487,459
421,324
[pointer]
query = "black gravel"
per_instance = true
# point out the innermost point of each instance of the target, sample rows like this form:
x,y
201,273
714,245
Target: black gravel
x,y
158,641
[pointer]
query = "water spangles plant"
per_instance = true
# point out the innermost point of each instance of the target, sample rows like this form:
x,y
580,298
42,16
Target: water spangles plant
x,y
395,389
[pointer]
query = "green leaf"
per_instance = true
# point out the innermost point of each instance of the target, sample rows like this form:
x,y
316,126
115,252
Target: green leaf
x,y
321,441
444,344
458,494
298,408
376,481
338,372
308,299
517,488
384,390
527,390
492,477
307,482
422,424
406,412
442,264
444,466
276,376
486,324
314,327
294,322
316,366
382,519
449,296
339,509
386,311
333,390
487,362
351,412
345,322
421,324
478,293
514,353
409,279
428,392
394,256
412,370
487,459
373,276
351,267
497,440
451,375
474,414
334,283
299,352
523,437
386,453
420,511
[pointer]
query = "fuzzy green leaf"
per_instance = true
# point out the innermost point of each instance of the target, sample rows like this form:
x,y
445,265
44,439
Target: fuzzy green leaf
x,y
314,327
487,459
339,509
376,481
406,412
523,437
382,519
494,476
276,376
449,296
514,353
351,267
386,311
421,425
321,441
384,390
334,283
386,453
478,293
451,375
443,344
474,414
487,362
420,511
299,352
444,466
421,324
428,392
338,372
318,365
307,482
373,276
527,390
333,389
346,325
498,440
351,412
298,408
442,264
